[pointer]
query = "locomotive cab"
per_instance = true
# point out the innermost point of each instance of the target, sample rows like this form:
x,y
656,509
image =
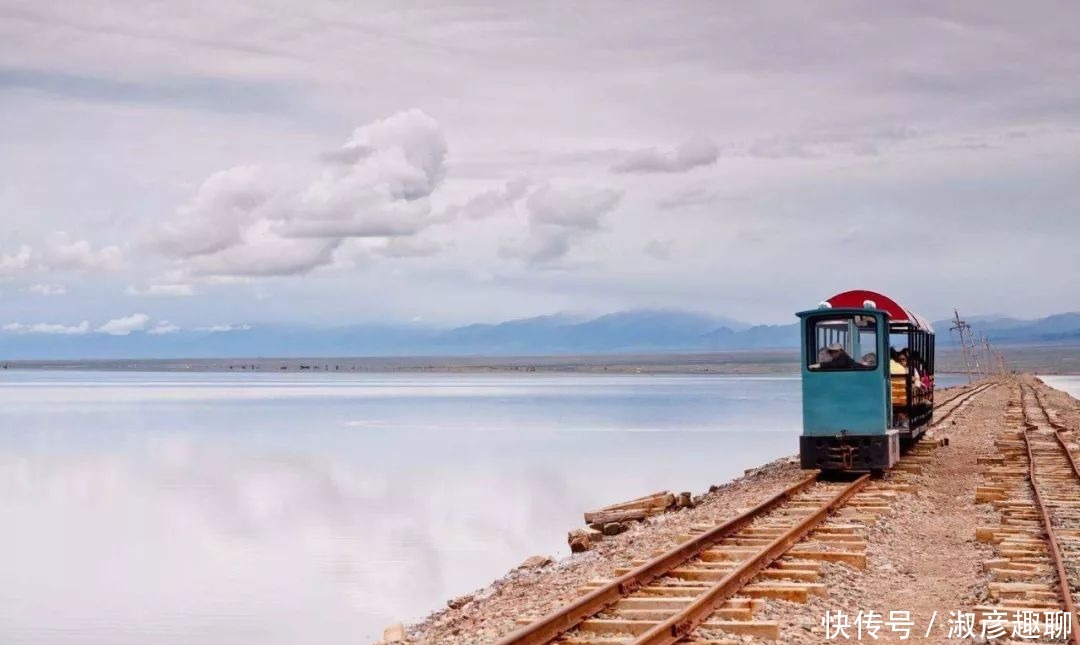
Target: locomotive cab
x,y
860,410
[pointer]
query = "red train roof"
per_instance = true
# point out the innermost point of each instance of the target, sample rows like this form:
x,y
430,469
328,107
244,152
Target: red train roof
x,y
855,299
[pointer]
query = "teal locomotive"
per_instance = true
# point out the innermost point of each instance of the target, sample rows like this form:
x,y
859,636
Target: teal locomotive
x,y
867,382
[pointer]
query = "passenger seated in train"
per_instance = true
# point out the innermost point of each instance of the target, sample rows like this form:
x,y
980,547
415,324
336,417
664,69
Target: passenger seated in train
x,y
838,359
920,367
896,368
869,359
907,361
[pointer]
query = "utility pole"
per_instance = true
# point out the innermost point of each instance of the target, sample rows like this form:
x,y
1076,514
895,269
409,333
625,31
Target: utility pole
x,y
977,348
973,350
964,329
989,356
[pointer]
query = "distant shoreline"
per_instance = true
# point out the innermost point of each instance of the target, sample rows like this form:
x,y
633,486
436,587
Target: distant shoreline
x,y
1043,360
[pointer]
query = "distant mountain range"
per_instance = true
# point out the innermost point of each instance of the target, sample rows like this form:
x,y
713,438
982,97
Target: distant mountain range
x,y
637,331
1058,328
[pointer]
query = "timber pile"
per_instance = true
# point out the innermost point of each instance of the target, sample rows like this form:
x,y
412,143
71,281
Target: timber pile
x,y
612,520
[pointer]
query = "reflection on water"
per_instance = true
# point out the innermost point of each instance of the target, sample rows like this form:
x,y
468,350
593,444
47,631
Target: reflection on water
x,y
272,509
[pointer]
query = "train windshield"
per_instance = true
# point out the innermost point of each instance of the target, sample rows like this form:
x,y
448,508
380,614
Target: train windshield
x,y
842,343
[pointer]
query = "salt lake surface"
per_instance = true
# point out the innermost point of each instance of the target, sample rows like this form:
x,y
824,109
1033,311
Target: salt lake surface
x,y
1065,383
270,509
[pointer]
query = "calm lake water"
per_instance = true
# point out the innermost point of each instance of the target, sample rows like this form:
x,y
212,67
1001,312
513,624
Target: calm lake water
x,y
244,509
1070,384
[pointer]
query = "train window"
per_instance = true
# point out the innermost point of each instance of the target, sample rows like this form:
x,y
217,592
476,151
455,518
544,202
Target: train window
x,y
842,343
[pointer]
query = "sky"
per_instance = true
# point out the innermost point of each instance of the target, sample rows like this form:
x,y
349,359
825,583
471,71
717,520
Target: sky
x,y
182,165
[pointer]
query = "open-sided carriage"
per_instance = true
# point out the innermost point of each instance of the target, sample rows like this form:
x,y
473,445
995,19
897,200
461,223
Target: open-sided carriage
x,y
867,381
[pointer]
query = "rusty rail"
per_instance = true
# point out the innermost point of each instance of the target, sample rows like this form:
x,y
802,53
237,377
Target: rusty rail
x,y
571,615
944,402
678,626
960,399
1051,538
1058,429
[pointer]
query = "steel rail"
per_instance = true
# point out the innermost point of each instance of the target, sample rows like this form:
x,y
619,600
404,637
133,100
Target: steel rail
x,y
960,400
569,616
944,402
1055,549
679,625
987,382
1042,408
1058,429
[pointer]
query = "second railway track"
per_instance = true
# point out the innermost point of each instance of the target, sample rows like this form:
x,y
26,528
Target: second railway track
x,y
711,583
1035,486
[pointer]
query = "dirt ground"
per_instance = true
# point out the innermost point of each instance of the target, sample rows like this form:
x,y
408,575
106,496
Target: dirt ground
x,y
922,559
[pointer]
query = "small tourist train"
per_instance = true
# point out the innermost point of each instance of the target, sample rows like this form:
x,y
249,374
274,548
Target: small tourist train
x,y
867,381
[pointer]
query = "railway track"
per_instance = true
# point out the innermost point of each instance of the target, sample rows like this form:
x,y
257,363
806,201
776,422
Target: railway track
x,y
945,409
712,582
1035,486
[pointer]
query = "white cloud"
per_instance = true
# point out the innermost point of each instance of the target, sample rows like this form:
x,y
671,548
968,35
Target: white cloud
x,y
558,217
217,216
685,156
163,327
404,247
47,289
65,254
242,222
223,328
491,202
178,289
377,186
125,325
48,328
265,253
578,207
17,261
687,198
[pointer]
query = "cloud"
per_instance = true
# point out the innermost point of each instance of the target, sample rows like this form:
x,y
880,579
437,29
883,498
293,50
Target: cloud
x,y
265,253
244,222
125,325
223,328
559,217
47,289
658,249
226,96
685,156
491,202
379,185
48,328
572,208
17,261
179,289
225,205
64,254
163,327
687,198
403,247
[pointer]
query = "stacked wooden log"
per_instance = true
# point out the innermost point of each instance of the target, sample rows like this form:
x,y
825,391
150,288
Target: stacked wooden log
x,y
613,520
